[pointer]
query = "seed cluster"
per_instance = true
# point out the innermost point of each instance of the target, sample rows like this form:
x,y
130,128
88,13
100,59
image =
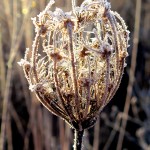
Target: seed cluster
x,y
81,63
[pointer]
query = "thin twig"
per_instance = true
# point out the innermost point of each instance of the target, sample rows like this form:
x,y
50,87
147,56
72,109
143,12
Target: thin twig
x,y
16,40
8,16
113,133
5,109
9,133
47,126
2,66
7,92
68,136
16,119
131,73
62,134
96,135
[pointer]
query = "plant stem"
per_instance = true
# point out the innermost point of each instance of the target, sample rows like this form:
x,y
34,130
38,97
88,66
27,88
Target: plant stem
x,y
78,139
131,74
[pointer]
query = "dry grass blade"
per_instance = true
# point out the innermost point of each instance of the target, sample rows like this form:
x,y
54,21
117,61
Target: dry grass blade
x,y
5,109
8,15
2,66
47,126
16,118
96,135
113,133
131,73
9,133
62,133
16,40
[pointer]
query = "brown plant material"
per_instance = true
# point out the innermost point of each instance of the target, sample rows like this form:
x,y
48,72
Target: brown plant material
x,y
73,80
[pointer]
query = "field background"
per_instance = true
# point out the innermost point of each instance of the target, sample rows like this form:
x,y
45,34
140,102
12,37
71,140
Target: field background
x,y
26,125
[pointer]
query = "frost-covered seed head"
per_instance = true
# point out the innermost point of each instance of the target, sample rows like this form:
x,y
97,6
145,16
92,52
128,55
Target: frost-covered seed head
x,y
82,62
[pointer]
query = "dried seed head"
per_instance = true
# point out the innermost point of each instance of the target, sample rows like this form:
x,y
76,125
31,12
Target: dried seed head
x,y
90,46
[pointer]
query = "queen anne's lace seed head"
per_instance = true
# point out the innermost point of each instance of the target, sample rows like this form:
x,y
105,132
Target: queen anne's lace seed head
x,y
83,61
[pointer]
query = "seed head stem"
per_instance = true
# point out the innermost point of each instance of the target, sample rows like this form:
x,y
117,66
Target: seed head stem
x,y
78,135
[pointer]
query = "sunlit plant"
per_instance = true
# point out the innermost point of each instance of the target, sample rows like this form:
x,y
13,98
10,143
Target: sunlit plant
x,y
77,61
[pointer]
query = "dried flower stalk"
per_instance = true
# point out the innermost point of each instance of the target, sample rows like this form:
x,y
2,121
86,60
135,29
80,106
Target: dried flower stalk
x,y
81,65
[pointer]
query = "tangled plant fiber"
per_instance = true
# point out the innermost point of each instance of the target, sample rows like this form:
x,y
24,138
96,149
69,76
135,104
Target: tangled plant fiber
x,y
81,63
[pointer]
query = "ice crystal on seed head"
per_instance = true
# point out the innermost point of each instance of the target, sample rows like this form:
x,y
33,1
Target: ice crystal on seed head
x,y
83,61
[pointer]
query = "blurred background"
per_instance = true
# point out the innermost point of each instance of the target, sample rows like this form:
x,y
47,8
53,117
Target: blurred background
x,y
124,124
